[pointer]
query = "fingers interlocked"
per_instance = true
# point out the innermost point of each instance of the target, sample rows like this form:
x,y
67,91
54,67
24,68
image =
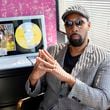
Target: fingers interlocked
x,y
48,62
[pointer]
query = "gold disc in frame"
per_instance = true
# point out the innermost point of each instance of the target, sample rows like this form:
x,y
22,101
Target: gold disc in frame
x,y
28,35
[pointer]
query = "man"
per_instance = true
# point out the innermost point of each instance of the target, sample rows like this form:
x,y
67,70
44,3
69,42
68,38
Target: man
x,y
74,75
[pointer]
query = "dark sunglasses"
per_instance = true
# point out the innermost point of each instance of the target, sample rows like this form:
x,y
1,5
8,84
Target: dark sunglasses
x,y
70,23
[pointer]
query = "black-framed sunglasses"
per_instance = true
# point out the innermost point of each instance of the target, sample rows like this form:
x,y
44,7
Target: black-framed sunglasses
x,y
70,23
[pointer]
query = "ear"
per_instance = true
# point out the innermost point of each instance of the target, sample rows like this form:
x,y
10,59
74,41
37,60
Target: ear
x,y
89,25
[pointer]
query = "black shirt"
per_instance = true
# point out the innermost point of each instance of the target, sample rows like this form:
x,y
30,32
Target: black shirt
x,y
70,61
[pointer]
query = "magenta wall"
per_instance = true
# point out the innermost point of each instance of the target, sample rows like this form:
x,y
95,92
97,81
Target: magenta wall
x,y
10,8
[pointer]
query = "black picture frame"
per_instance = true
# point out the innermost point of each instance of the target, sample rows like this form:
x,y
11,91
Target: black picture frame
x,y
57,14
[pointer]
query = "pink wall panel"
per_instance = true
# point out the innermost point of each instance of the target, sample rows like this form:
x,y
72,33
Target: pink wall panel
x,y
10,8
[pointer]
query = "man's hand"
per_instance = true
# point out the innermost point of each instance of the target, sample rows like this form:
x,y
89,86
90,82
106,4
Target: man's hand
x,y
37,73
50,65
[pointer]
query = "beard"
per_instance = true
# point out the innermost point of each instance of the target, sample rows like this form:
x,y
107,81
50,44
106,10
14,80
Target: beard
x,y
75,42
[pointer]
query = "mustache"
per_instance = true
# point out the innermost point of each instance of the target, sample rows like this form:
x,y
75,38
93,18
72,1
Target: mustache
x,y
69,35
74,34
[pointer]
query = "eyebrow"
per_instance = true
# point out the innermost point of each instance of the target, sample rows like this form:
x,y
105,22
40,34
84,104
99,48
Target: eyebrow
x,y
82,18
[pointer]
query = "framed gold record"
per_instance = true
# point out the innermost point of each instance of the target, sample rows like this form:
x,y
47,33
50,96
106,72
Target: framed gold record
x,y
23,35
28,35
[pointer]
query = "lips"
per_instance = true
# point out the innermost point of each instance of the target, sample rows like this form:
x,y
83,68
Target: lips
x,y
75,36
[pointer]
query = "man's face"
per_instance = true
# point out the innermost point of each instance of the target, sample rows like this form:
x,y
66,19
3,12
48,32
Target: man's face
x,y
77,28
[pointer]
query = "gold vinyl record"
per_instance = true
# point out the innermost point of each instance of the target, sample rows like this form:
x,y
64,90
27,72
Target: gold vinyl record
x,y
28,35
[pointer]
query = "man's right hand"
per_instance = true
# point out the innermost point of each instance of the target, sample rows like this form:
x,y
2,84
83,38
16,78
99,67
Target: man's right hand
x,y
37,73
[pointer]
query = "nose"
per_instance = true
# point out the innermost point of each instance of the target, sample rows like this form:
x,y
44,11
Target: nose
x,y
74,28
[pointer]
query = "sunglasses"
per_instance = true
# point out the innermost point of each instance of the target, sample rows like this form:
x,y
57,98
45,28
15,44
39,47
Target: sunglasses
x,y
70,23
